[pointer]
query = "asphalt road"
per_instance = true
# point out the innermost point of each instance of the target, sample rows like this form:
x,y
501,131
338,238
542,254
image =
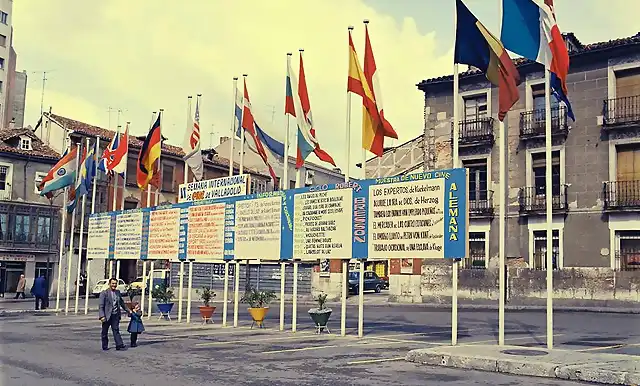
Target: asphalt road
x,y
65,350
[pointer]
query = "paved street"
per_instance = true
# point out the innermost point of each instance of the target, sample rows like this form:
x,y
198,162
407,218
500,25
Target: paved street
x,y
67,349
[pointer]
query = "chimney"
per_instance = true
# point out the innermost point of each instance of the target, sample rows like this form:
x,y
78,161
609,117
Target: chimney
x,y
223,140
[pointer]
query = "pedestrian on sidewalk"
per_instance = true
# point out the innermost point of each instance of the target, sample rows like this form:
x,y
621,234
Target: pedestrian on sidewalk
x,y
110,306
135,325
22,283
39,292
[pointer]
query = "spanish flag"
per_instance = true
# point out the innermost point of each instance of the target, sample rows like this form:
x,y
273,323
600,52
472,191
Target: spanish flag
x,y
477,47
149,154
374,126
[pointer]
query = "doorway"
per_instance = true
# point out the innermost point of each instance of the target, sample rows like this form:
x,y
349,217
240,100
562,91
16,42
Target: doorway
x,y
12,272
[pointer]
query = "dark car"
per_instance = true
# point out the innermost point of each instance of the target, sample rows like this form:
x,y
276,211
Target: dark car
x,y
371,282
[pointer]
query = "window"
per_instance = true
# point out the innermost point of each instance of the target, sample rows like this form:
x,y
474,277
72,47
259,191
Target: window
x,y
477,178
4,17
477,251
537,91
21,233
25,143
1,63
3,227
132,167
38,180
540,249
539,170
627,85
475,107
628,250
257,186
44,230
628,162
3,40
5,181
130,204
276,184
167,178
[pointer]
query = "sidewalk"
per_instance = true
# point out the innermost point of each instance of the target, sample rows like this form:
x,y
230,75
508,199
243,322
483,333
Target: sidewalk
x,y
610,369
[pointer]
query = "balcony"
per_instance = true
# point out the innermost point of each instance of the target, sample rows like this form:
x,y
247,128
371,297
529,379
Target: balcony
x,y
628,260
620,113
533,201
28,227
481,205
621,195
474,132
533,123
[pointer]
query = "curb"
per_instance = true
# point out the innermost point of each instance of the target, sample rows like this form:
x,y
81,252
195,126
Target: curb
x,y
581,373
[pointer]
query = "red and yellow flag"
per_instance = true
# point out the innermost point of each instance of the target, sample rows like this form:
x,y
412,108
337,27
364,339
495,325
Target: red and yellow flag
x,y
374,125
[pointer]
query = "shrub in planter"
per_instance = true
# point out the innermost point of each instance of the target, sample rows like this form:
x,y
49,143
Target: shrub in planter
x,y
321,314
163,296
258,302
206,311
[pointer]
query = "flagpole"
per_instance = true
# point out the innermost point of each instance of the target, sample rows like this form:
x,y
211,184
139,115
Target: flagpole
x,y
502,229
83,212
549,203
455,266
284,183
153,119
232,138
124,175
93,210
63,225
242,131
186,180
71,234
298,170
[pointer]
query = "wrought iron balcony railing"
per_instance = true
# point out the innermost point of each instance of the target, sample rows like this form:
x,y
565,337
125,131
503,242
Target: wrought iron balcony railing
x,y
476,131
621,112
628,260
481,204
620,195
532,199
533,123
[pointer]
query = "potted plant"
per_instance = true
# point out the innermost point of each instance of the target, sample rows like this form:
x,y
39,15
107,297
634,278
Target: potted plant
x,y
258,302
131,294
163,295
206,311
320,315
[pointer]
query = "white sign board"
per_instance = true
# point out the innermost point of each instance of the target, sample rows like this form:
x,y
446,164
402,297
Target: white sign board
x,y
323,224
407,218
216,188
257,228
164,228
205,238
98,237
128,240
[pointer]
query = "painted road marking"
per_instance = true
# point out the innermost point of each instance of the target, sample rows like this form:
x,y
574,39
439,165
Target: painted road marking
x,y
612,347
407,341
327,346
268,339
366,361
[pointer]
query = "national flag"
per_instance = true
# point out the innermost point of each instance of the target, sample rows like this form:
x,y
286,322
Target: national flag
x,y
307,141
375,126
529,29
61,175
477,47
289,106
255,133
114,158
191,145
149,154
238,113
85,178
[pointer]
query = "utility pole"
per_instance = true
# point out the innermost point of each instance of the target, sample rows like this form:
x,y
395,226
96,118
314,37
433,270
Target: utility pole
x,y
44,81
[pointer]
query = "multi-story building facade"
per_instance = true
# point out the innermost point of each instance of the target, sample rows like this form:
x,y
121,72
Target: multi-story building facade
x,y
8,58
29,223
18,92
595,160
128,195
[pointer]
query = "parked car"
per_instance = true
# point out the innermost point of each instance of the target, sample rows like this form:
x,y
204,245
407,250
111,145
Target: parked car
x,y
371,282
104,284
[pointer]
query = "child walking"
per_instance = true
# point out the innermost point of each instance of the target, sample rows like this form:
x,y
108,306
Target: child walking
x,y
135,325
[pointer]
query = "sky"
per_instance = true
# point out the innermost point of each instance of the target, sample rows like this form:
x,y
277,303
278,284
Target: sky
x,y
140,56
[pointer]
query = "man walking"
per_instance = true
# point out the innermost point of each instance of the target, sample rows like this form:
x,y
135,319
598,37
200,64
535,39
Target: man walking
x,y
22,283
110,306
39,291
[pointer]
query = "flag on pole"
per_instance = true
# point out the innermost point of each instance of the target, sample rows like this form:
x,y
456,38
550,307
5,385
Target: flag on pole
x,y
85,179
61,175
529,29
477,47
373,128
114,157
307,141
149,154
238,113
191,145
260,139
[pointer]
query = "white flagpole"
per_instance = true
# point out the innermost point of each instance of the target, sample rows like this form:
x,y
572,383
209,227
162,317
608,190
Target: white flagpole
x,y
345,263
181,289
157,198
284,183
93,210
115,187
548,193
71,233
502,229
63,225
232,138
124,175
242,131
150,289
79,267
455,265
190,277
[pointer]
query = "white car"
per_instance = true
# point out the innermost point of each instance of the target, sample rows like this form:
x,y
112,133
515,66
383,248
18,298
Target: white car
x,y
104,284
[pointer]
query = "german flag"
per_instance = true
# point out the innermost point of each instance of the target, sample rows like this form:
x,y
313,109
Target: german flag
x,y
149,154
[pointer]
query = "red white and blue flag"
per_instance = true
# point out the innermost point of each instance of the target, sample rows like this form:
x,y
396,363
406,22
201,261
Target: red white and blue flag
x,y
191,145
114,157
529,29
